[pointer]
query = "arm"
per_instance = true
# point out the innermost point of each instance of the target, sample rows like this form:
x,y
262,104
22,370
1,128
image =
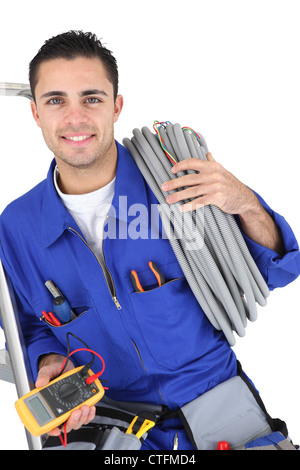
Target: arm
x,y
259,226
213,184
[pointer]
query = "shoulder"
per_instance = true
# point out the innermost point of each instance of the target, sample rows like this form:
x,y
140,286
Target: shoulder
x,y
24,205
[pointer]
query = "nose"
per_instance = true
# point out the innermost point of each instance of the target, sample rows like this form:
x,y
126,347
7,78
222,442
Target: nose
x,y
75,115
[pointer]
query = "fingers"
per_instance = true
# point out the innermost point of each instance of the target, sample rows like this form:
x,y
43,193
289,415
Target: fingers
x,y
195,164
210,157
54,432
207,183
201,171
195,187
189,164
188,193
78,418
193,205
186,180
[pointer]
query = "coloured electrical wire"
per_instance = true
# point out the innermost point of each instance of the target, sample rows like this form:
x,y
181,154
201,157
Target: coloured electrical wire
x,y
89,380
93,377
220,270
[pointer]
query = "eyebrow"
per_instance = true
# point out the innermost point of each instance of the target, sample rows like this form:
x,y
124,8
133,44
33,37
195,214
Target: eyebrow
x,y
93,91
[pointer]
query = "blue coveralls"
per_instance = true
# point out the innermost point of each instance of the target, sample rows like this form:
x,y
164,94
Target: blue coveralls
x,y
158,346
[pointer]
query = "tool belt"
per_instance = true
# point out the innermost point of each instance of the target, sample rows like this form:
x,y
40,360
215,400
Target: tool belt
x,y
233,411
116,426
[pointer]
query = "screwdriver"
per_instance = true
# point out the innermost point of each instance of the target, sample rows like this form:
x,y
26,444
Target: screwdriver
x,y
61,306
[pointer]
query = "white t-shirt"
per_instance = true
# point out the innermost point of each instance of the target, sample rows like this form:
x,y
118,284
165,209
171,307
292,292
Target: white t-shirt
x,y
89,211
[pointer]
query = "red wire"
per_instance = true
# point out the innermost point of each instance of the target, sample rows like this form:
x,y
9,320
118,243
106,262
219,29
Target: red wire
x,y
64,440
164,146
89,380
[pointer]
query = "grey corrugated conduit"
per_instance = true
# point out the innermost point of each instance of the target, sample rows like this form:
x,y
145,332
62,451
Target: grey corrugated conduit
x,y
220,270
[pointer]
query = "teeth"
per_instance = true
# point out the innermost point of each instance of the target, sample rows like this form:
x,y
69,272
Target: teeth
x,y
78,138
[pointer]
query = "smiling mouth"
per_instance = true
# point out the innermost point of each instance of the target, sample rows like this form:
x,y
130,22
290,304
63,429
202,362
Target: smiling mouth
x,y
78,138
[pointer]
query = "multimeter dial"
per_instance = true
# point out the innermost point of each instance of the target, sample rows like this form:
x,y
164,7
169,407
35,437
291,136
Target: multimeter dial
x,y
67,393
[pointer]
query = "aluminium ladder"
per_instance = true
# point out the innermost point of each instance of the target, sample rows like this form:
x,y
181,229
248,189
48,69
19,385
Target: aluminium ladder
x,y
14,364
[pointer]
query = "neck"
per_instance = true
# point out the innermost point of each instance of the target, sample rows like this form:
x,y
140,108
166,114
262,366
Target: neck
x,y
74,180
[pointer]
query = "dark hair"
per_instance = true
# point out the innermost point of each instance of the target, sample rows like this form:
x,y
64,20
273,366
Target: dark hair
x,y
69,46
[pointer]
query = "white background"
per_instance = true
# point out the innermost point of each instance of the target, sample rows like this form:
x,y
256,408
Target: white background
x,y
230,70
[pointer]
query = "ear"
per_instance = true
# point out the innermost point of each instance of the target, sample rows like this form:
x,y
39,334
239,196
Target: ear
x,y
118,107
35,113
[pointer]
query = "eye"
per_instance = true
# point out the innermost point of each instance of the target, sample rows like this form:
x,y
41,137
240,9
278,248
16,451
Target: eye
x,y
54,101
92,100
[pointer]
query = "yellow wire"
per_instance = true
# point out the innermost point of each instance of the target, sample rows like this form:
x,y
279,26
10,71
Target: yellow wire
x,y
156,123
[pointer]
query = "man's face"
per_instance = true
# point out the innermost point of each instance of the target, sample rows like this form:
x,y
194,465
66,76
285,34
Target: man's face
x,y
76,110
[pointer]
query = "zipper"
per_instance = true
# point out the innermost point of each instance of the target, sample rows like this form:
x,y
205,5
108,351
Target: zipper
x,y
105,270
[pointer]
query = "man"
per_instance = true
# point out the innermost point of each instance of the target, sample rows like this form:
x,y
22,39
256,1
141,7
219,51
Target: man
x,y
154,351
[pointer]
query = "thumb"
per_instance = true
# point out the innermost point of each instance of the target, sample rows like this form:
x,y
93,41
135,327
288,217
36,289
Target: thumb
x,y
210,157
43,378
47,373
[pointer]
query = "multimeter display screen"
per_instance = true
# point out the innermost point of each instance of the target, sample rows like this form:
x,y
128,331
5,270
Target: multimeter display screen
x,y
38,409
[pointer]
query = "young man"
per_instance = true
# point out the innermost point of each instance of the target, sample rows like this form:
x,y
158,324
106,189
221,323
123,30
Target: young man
x,y
159,347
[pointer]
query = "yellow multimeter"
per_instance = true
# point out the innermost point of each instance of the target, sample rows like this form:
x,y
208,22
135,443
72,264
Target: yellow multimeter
x,y
47,407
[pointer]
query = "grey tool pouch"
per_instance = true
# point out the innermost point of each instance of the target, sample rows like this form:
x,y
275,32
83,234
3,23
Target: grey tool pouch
x,y
228,412
233,411
115,439
93,438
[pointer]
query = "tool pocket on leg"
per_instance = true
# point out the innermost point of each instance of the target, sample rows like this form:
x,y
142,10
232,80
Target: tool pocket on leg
x,y
228,412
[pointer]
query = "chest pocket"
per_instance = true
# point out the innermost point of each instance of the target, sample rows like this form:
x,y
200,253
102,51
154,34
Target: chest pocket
x,y
89,327
169,318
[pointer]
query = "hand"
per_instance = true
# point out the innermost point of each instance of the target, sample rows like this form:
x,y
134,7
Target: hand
x,y
210,184
50,367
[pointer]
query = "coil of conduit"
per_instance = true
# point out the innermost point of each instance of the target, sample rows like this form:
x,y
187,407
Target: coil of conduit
x,y
221,271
